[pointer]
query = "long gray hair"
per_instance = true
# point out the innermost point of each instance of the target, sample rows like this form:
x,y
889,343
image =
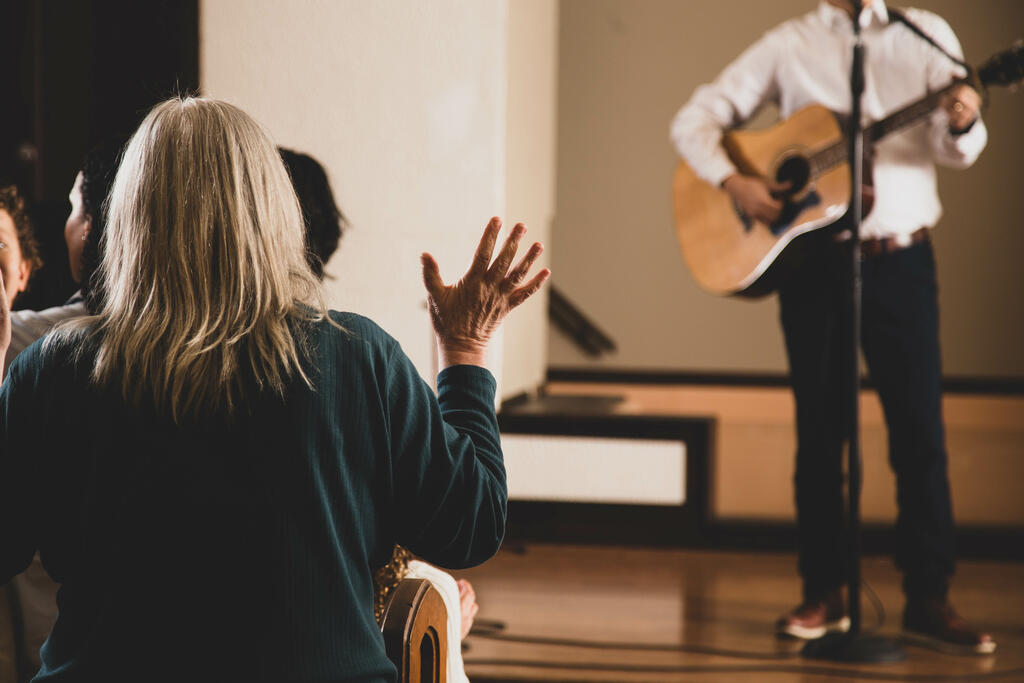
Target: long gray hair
x,y
203,276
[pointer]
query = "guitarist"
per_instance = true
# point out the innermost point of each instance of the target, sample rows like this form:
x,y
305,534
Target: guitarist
x,y
807,61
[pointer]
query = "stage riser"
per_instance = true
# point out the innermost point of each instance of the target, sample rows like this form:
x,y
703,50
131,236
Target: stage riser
x,y
738,462
576,469
752,461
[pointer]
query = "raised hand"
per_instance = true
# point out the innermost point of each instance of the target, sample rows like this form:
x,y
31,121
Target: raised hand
x,y
466,313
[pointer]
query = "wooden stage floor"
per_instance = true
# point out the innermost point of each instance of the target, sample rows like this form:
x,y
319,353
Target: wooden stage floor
x,y
701,599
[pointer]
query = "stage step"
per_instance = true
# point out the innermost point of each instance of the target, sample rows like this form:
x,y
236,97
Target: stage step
x,y
579,471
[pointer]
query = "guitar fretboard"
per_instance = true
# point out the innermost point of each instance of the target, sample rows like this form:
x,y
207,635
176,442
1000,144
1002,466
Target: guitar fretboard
x,y
829,157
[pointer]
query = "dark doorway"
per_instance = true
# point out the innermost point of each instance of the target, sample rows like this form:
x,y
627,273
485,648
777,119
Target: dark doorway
x,y
83,71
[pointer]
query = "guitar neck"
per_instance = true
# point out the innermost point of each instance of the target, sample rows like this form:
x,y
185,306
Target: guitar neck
x,y
836,153
909,114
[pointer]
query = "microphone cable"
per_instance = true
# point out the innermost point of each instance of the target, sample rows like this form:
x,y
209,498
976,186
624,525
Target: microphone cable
x,y
491,629
839,672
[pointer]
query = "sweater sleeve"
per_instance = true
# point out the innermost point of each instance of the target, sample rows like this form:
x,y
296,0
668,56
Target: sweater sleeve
x,y
449,484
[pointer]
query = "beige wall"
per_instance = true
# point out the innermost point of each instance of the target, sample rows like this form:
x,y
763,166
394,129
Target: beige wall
x,y
530,183
625,67
405,105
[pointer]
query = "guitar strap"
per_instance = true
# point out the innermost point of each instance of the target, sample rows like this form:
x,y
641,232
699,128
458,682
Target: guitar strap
x,y
902,18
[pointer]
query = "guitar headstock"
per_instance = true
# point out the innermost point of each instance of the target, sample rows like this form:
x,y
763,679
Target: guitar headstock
x,y
1004,68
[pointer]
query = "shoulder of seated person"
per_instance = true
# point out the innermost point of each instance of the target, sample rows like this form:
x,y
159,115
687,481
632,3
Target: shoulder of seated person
x,y
357,327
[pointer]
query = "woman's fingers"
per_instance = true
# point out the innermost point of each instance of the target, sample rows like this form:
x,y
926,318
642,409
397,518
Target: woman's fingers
x,y
517,274
529,289
508,252
484,250
431,275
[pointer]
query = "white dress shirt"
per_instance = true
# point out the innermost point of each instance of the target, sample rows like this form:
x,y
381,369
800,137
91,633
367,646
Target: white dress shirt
x,y
806,61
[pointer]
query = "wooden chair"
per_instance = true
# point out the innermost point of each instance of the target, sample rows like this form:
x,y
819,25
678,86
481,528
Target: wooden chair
x,y
415,628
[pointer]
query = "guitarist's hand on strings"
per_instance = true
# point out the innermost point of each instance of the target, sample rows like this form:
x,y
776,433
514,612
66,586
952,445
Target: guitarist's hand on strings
x,y
756,196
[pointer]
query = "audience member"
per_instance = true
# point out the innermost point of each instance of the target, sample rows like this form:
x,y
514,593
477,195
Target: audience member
x,y
324,221
36,592
50,284
324,226
18,258
19,254
83,230
224,459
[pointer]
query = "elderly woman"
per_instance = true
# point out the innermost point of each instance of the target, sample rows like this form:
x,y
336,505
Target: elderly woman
x,y
218,460
325,223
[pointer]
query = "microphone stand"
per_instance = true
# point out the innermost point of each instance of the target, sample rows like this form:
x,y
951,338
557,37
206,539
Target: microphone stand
x,y
854,646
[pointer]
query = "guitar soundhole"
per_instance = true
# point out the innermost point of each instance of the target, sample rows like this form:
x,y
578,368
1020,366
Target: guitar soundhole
x,y
795,170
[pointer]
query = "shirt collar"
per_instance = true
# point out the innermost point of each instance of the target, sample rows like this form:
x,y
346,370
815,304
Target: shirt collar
x,y
838,20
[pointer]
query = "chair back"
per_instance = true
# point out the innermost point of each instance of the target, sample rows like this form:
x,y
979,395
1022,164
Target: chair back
x,y
415,628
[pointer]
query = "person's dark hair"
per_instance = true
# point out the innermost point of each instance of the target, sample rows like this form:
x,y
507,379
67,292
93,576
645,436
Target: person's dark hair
x,y
323,219
13,203
98,170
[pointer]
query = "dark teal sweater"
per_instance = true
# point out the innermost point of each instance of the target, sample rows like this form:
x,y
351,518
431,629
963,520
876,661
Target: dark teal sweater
x,y
243,550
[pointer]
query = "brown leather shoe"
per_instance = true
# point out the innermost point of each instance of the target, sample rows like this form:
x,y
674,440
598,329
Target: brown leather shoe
x,y
935,624
814,618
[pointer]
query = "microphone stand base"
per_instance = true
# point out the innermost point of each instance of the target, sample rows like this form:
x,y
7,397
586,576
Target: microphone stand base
x,y
855,647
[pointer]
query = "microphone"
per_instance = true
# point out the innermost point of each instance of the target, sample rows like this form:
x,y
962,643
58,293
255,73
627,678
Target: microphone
x,y
857,6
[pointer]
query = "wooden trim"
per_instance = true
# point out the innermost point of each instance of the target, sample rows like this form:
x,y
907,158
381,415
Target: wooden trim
x,y
668,527
1013,386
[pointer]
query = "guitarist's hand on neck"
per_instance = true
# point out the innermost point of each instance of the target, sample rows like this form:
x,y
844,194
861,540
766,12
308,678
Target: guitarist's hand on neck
x,y
755,196
962,105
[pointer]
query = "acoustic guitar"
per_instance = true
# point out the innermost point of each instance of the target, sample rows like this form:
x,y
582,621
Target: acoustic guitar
x,y
731,253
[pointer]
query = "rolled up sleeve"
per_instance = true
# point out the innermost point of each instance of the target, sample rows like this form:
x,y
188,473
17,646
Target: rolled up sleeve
x,y
739,91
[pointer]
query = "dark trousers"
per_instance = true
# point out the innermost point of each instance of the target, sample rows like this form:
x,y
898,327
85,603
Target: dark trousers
x,y
900,342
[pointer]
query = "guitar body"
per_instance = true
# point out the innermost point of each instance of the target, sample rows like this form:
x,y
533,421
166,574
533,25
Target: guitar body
x,y
729,253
